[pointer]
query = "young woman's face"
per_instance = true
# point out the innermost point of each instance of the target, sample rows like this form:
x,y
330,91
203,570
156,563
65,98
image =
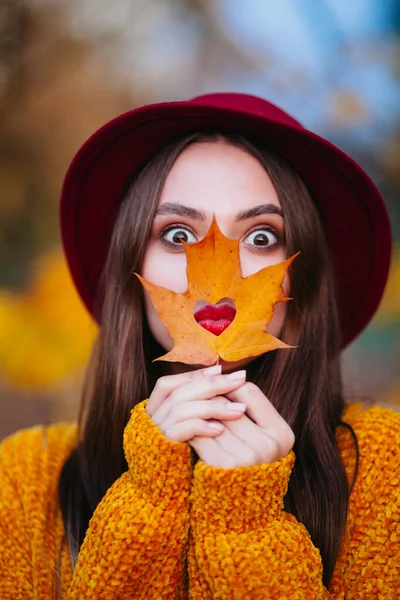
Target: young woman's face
x,y
214,179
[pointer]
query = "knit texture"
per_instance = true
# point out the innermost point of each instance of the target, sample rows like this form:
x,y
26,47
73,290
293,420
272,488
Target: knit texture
x,y
225,530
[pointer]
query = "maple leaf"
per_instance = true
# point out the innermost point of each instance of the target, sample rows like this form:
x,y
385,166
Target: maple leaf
x,y
213,273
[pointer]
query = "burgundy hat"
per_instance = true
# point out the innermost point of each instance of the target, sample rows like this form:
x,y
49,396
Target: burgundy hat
x,y
353,214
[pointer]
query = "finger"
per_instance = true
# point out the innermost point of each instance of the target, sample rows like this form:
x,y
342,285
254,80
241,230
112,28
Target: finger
x,y
205,388
264,446
237,452
217,408
259,408
165,385
210,452
186,430
265,416
245,429
227,454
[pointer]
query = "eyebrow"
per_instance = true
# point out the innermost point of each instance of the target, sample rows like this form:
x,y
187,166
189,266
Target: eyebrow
x,y
172,208
261,209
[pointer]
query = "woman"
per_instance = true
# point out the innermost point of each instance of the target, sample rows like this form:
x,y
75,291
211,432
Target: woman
x,y
250,479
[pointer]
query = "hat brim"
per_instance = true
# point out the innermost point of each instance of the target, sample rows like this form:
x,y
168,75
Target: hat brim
x,y
352,211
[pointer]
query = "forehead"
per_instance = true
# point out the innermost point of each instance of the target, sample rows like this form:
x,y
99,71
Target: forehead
x,y
218,176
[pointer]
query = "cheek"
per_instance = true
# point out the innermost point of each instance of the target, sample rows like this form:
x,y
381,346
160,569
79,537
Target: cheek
x,y
165,269
168,271
251,262
275,325
286,285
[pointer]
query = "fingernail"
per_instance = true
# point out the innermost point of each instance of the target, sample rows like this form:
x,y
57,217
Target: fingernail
x,y
214,370
236,406
237,375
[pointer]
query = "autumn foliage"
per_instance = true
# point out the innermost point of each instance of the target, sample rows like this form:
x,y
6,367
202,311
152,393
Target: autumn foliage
x,y
45,331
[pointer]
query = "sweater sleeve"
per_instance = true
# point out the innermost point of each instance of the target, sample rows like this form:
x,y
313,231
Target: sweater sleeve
x,y
16,579
135,546
244,544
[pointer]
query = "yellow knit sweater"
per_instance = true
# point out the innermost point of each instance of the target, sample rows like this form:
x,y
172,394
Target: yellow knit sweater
x,y
224,531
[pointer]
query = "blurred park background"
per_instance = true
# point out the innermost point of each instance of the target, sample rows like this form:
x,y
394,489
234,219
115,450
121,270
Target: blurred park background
x,y
67,66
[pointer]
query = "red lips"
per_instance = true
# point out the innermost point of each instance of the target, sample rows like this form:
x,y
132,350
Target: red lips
x,y
215,318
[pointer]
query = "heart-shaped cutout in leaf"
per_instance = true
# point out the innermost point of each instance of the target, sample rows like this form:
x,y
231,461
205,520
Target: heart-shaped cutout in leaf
x,y
215,317
214,273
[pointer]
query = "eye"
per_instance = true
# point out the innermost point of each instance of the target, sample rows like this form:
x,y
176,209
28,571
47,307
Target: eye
x,y
174,236
263,238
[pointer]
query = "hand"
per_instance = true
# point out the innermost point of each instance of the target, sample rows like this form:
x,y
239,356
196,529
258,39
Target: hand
x,y
193,404
263,438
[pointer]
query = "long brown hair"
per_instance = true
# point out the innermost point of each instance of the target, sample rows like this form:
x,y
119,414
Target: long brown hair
x,y
304,384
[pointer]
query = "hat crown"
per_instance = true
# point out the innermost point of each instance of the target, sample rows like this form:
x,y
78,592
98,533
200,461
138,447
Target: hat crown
x,y
246,103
